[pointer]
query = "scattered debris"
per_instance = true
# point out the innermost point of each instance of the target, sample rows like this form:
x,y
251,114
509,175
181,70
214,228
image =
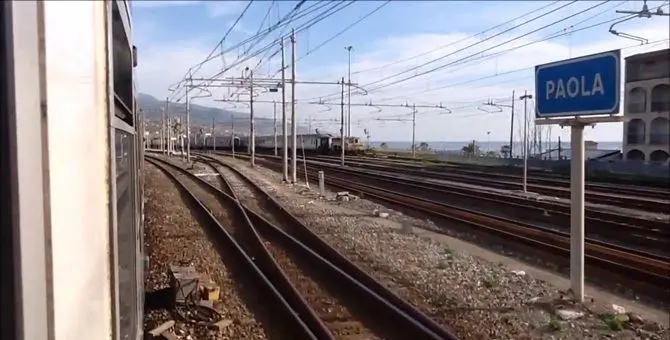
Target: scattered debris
x,y
518,272
222,324
381,214
161,329
569,314
345,196
618,309
184,283
635,318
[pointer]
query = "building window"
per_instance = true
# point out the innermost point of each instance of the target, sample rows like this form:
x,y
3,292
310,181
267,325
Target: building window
x,y
636,132
660,98
637,102
635,155
659,130
658,156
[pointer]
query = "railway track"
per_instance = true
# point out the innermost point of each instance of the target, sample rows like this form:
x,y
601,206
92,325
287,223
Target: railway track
x,y
626,263
653,200
276,300
645,235
648,235
353,309
613,180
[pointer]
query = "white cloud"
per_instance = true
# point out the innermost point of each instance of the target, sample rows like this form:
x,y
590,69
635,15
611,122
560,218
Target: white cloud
x,y
165,65
225,8
158,3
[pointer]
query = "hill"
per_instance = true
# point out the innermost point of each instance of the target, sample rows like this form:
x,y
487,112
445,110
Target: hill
x,y
201,117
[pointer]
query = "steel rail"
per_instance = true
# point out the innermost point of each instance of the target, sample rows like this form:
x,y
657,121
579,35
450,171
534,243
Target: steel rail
x,y
300,328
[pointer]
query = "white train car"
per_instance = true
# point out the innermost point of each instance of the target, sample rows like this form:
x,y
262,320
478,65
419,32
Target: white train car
x,y
70,166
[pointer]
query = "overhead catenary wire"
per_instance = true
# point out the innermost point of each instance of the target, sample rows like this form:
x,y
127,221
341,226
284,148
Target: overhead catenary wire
x,y
280,24
441,87
455,42
220,43
464,48
348,27
437,68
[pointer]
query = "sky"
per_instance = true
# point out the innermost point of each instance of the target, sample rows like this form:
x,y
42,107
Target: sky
x,y
481,56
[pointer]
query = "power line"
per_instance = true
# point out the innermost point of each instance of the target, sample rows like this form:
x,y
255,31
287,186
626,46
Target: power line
x,y
320,17
288,18
230,29
455,42
462,49
345,29
524,68
488,49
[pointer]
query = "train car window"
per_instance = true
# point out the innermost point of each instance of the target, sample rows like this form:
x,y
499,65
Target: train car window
x,y
122,61
8,318
126,233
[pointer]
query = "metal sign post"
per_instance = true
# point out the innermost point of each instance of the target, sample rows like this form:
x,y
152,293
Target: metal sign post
x,y
569,90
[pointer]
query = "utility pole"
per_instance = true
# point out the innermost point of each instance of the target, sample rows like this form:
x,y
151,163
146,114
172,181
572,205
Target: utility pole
x,y
284,161
213,138
181,138
342,121
167,122
294,126
511,130
525,98
188,122
252,136
162,131
274,125
348,48
232,134
413,131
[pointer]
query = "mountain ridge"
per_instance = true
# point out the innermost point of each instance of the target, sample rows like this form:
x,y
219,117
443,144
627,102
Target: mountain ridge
x,y
201,117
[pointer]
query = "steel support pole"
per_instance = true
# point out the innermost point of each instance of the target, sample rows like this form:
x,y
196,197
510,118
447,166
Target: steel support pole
x,y
294,125
167,122
525,98
511,130
577,178
342,122
349,94
213,138
188,128
252,135
274,125
284,127
413,131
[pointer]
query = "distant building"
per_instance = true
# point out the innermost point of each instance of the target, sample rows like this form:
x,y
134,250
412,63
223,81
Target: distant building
x,y
647,105
590,145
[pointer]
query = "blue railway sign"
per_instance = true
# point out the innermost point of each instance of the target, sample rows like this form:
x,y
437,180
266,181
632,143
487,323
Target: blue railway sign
x,y
588,85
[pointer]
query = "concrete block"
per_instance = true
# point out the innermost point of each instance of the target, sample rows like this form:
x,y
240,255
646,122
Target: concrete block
x,y
161,328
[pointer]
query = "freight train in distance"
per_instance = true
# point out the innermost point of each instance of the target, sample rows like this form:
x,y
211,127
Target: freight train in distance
x,y
324,144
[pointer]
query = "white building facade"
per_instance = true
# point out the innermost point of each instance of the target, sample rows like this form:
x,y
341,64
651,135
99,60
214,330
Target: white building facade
x,y
647,106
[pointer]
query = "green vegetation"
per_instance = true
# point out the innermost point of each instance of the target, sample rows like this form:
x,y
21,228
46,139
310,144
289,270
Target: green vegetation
x,y
471,149
612,321
554,325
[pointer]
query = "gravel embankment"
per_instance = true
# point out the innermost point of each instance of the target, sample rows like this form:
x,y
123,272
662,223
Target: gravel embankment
x,y
329,307
173,236
475,298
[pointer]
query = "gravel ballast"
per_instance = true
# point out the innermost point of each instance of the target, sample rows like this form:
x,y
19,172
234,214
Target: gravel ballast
x,y
173,236
475,298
